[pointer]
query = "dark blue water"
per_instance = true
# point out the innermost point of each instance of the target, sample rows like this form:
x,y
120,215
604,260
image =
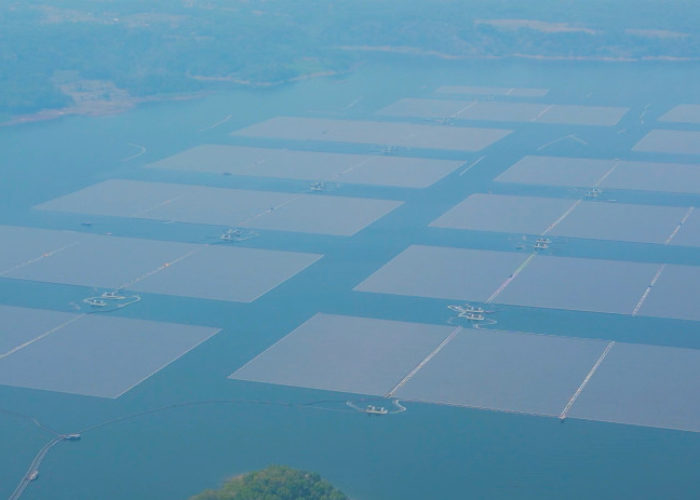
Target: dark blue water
x,y
427,452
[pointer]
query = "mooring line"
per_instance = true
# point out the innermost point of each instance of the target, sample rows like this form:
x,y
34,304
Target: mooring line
x,y
460,111
158,269
44,255
43,335
648,290
678,227
144,212
142,150
469,167
562,217
220,122
510,278
425,361
573,399
606,174
541,113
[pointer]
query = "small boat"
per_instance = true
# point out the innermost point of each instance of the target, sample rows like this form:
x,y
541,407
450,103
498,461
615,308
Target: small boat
x,y
33,475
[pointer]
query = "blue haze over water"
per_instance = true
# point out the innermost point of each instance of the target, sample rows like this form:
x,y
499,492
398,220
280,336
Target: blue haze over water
x,y
429,451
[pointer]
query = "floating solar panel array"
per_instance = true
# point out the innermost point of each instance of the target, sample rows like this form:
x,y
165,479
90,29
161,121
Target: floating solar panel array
x,y
670,141
349,354
307,213
490,369
573,218
689,232
378,170
543,281
444,273
87,354
644,385
684,113
511,214
675,294
406,135
595,285
505,111
163,267
105,356
606,174
492,91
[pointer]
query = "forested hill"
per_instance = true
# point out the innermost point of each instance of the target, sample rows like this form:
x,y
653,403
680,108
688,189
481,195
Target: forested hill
x,y
100,56
274,483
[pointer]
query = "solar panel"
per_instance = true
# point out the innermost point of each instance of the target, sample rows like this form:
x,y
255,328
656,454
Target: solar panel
x,y
345,354
93,355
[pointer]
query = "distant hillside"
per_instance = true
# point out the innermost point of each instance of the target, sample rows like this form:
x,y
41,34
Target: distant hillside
x,y
99,57
274,483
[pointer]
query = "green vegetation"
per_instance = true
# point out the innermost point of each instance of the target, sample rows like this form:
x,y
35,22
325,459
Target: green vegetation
x,y
274,483
140,49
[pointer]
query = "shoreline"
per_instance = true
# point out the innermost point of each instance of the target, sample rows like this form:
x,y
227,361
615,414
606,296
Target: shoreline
x,y
264,84
415,51
106,108
97,108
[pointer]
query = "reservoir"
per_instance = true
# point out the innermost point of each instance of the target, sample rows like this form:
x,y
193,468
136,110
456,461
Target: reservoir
x,y
312,247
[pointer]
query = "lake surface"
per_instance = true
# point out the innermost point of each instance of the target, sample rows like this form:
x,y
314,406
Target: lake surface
x,y
429,451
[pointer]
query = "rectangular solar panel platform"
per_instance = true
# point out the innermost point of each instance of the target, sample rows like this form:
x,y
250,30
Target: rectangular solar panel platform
x,y
504,213
621,222
676,294
345,354
492,91
506,111
647,176
297,212
497,370
494,111
89,354
556,171
30,244
533,280
505,371
683,113
102,261
444,273
689,231
607,174
380,170
19,325
233,274
565,217
683,142
406,135
217,272
644,385
604,116
594,285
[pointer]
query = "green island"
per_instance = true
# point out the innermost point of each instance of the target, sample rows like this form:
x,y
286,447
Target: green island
x,y
274,483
